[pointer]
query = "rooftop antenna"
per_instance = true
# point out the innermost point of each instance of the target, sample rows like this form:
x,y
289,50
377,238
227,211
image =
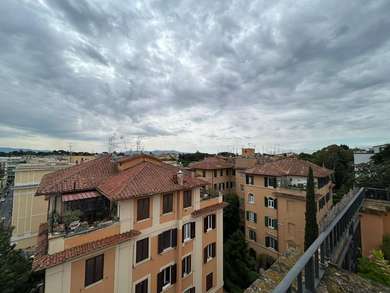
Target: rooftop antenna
x,y
139,146
70,152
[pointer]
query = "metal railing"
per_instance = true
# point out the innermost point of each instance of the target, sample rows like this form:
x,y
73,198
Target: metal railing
x,y
306,274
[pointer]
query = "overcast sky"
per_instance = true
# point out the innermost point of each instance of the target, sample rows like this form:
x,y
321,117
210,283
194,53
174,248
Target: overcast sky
x,y
194,75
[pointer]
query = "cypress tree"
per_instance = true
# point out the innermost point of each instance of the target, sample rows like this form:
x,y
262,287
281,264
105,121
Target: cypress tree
x,y
311,227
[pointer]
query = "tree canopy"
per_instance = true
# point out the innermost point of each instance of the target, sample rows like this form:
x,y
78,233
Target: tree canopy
x,y
231,216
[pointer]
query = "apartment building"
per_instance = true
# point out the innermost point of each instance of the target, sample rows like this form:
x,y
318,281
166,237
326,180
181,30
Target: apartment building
x,y
275,203
219,172
142,226
29,211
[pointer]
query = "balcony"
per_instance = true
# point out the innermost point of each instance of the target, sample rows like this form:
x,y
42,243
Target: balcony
x,y
208,194
77,213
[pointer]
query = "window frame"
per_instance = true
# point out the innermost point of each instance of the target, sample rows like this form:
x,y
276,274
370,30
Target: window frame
x,y
208,277
187,230
167,203
187,199
251,233
96,277
209,222
251,196
140,212
186,265
148,250
139,282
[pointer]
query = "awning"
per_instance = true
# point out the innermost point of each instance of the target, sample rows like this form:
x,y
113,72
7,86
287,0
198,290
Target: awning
x,y
79,196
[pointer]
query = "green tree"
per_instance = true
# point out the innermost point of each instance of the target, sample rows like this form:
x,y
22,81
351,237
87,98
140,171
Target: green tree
x,y
375,268
231,215
239,265
15,269
311,226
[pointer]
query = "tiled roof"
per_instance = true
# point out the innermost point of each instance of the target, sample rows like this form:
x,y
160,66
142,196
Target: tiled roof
x,y
209,209
48,261
289,167
146,178
85,176
211,163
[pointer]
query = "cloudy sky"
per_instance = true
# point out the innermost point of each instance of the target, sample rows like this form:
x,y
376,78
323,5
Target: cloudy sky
x,y
194,75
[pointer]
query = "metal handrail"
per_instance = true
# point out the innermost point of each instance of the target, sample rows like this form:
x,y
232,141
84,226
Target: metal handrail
x,y
296,270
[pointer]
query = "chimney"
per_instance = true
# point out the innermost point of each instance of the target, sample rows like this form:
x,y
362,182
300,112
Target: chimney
x,y
180,177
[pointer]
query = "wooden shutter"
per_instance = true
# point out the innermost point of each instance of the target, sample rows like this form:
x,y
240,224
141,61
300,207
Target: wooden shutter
x,y
247,215
205,224
160,277
89,271
266,221
255,217
160,242
173,274
192,230
266,241
182,233
99,263
275,223
214,219
213,249
266,181
276,203
205,254
174,237
192,290
266,201
183,269
276,245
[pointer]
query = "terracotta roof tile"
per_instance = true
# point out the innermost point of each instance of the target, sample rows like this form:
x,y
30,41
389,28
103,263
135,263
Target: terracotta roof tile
x,y
211,163
289,167
209,209
47,261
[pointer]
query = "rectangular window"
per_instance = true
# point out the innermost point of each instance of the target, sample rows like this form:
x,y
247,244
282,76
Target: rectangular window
x,y
251,216
94,269
188,231
142,249
249,179
203,173
166,277
223,186
242,187
227,172
221,172
215,186
187,199
271,202
215,173
251,198
271,223
167,203
234,172
270,181
209,252
209,281
142,209
186,266
142,287
209,222
271,242
252,235
167,239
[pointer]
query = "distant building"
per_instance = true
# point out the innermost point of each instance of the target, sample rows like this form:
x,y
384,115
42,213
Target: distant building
x,y
248,152
275,203
29,211
78,159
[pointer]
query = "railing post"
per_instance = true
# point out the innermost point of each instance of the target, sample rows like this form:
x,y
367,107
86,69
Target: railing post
x,y
322,252
316,264
309,276
299,283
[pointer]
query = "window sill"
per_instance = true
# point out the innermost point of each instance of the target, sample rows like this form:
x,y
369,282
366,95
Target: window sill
x,y
166,250
187,240
187,275
143,220
166,287
142,262
167,214
94,284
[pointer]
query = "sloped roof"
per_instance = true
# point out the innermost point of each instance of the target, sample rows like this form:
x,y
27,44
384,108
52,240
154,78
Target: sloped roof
x,y
146,178
85,176
42,262
211,163
289,167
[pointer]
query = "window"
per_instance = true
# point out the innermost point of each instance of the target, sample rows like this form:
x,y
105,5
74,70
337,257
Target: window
x,y
215,173
187,199
242,187
167,239
227,185
234,172
203,173
249,180
166,277
188,231
270,181
271,202
251,198
209,281
190,290
271,242
167,203
142,250
142,209
94,269
186,266
221,172
209,252
252,235
227,172
251,216
223,185
271,223
209,222
142,287
219,186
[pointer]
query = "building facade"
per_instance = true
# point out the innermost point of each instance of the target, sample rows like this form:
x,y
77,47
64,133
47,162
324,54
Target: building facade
x,y
28,211
275,204
142,226
218,172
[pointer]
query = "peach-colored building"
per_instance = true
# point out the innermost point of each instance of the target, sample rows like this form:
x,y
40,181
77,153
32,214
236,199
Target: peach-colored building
x,y
374,224
141,226
275,203
219,172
